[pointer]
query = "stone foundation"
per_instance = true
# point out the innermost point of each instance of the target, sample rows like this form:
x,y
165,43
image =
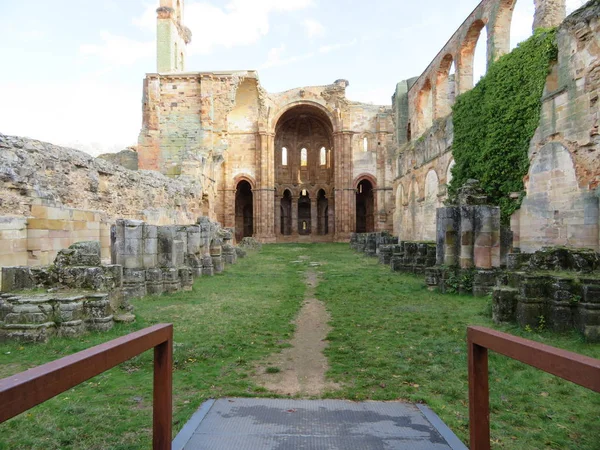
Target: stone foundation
x,y
555,288
84,295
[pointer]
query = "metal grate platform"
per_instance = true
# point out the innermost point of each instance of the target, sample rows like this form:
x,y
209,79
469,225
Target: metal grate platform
x,y
282,424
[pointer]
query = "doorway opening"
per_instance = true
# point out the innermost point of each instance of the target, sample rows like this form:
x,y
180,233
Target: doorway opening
x,y
365,221
244,211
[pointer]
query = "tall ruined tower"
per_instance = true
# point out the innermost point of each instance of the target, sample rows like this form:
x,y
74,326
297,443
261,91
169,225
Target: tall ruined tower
x,y
549,13
171,37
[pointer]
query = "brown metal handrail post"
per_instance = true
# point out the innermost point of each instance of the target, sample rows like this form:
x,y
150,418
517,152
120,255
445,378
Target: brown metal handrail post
x,y
479,397
162,413
573,367
34,386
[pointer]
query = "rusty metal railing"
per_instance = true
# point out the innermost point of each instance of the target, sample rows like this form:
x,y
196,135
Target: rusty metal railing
x,y
579,369
34,386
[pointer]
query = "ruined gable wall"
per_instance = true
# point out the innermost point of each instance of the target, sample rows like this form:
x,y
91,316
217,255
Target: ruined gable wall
x,y
422,112
561,206
185,128
51,197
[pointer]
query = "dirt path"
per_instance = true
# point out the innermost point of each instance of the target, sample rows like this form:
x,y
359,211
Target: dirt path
x,y
302,366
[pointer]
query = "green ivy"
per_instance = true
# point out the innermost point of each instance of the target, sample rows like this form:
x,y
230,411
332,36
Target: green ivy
x,y
495,121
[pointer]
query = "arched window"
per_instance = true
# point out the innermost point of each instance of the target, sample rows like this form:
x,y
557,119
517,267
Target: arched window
x,y
284,156
323,156
365,144
304,157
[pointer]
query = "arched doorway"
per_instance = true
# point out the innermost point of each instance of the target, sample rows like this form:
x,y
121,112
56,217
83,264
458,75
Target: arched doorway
x,y
304,225
304,159
322,213
244,212
286,213
365,207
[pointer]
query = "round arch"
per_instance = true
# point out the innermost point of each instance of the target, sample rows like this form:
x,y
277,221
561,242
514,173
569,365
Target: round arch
x,y
444,89
467,54
365,176
304,128
244,177
303,103
244,208
365,203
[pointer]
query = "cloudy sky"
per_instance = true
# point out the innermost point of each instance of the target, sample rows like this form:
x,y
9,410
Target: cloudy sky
x,y
72,70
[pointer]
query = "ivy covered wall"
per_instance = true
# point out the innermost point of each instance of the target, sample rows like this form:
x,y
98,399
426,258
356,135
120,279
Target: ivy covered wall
x,y
496,120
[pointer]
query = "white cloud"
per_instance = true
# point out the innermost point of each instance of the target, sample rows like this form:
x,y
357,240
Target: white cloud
x,y
91,115
377,96
147,21
313,28
119,50
333,47
275,59
238,23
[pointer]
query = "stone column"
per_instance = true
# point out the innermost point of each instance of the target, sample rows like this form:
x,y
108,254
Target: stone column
x,y
205,238
482,252
338,193
128,244
549,13
447,236
313,216
294,216
515,227
466,237
345,204
264,193
150,246
277,212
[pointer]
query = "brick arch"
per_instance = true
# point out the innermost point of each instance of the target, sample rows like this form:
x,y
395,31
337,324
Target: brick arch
x,y
444,90
244,177
425,107
500,29
365,176
427,177
467,54
317,108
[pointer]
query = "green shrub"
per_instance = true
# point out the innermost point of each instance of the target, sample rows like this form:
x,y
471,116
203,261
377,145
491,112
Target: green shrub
x,y
495,121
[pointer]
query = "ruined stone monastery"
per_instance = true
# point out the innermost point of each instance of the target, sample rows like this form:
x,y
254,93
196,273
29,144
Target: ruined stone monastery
x,y
309,164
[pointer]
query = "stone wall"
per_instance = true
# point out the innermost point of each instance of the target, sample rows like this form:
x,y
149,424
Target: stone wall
x,y
127,158
77,293
52,197
561,206
554,288
223,127
80,295
561,202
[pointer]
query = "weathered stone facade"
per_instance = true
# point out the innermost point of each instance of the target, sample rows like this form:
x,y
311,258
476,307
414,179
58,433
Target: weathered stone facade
x,y
305,164
561,206
52,197
561,202
77,293
308,164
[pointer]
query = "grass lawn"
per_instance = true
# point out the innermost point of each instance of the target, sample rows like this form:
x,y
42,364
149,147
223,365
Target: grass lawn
x,y
391,339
